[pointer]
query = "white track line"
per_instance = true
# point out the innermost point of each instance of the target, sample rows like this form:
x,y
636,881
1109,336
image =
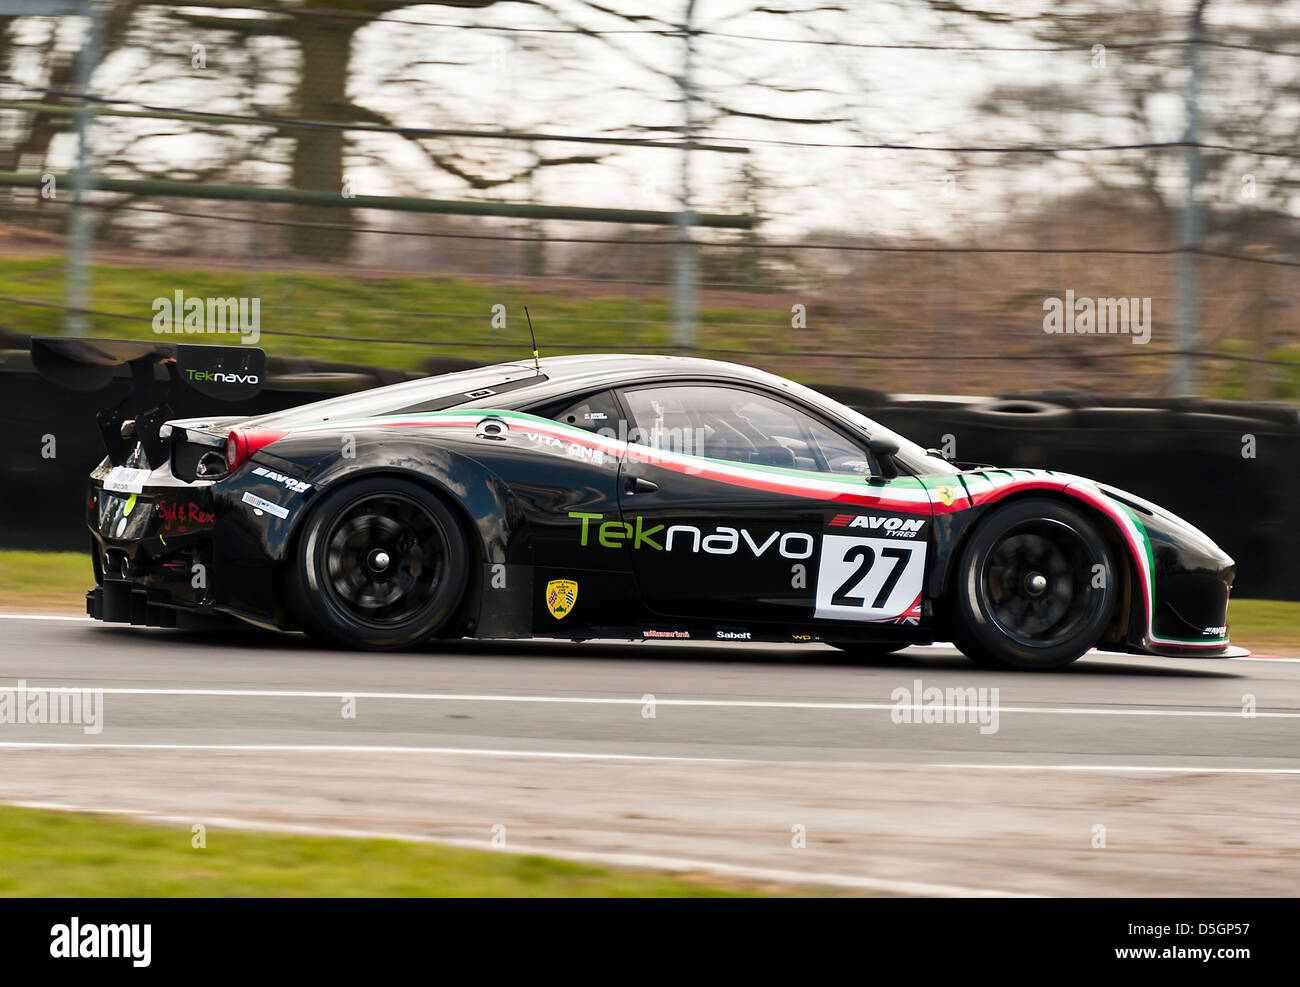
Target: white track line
x,y
1120,768
601,756
643,701
37,616
367,749
633,860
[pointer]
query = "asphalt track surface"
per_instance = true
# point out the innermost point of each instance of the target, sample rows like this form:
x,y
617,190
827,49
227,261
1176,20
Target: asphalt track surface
x,y
777,764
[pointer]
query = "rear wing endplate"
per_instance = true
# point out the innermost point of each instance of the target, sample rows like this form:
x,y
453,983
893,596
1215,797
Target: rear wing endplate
x,y
225,373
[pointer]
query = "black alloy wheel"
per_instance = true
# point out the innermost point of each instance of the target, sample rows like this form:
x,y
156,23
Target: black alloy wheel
x,y
381,564
1035,586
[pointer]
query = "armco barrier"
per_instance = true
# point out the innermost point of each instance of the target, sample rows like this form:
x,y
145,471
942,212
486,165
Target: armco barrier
x,y
1192,457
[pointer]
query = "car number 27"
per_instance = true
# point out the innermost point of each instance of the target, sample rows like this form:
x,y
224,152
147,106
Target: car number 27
x,y
868,578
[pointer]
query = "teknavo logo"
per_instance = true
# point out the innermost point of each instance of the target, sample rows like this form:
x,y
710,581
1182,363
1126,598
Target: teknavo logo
x,y
217,377
721,540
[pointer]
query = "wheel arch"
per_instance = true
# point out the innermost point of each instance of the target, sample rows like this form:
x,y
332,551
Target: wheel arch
x,y
485,512
1129,601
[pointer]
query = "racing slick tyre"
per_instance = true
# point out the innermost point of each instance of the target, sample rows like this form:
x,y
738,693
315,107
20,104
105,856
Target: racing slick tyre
x,y
380,564
1034,588
867,650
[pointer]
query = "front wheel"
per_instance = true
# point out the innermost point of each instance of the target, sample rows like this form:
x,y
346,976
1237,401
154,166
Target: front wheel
x,y
1035,587
381,564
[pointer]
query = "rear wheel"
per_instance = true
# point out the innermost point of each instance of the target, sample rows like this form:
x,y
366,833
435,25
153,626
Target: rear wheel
x,y
1035,587
381,564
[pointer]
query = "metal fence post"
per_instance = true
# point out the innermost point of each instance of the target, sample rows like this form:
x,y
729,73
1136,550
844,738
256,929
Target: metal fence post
x,y
684,274
75,321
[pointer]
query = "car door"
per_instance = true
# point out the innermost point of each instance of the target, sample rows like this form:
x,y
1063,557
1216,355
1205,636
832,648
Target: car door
x,y
743,507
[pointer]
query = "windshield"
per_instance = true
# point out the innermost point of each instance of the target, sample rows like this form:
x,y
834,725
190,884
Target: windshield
x,y
913,456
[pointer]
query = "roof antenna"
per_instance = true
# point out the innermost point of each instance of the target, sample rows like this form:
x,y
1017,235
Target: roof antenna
x,y
536,365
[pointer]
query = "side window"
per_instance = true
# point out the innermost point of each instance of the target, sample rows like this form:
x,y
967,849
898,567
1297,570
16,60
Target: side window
x,y
593,413
740,426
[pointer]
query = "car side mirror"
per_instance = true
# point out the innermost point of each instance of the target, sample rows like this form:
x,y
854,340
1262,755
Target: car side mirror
x,y
884,451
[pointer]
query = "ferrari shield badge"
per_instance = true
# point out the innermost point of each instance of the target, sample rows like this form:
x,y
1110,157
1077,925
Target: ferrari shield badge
x,y
561,594
947,495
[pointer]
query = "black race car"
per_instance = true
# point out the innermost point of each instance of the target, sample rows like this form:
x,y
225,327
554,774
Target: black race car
x,y
614,497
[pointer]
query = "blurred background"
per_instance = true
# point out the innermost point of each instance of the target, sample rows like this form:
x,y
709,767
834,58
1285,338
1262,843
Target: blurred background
x,y
871,194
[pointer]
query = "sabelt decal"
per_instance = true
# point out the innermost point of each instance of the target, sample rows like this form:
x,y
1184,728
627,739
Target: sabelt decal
x,y
728,635
262,504
561,595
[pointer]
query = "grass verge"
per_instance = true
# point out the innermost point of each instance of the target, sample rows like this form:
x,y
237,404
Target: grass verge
x,y
44,582
57,854
395,321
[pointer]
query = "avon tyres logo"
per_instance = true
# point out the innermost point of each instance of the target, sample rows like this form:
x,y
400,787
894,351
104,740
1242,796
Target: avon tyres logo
x,y
722,540
296,485
561,595
896,527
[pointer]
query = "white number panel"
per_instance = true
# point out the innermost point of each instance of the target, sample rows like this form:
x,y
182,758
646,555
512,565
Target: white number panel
x,y
869,578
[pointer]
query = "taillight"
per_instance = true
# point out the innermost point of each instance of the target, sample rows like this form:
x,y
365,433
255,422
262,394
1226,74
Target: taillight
x,y
240,444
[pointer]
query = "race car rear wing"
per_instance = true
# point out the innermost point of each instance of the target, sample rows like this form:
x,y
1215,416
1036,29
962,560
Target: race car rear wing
x,y
226,373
